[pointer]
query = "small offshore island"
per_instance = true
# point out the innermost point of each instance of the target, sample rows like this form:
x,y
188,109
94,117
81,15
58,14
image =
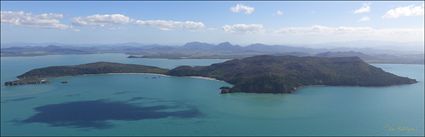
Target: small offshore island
x,y
257,74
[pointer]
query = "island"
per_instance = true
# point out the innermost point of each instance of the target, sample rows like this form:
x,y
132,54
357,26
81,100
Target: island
x,y
257,74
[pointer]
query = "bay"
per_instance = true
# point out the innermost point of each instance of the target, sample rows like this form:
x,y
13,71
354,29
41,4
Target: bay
x,y
148,104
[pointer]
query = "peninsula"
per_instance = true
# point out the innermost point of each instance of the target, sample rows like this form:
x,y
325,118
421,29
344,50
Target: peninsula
x,y
38,76
257,74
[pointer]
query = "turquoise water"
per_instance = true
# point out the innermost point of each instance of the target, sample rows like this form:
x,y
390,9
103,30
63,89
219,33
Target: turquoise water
x,y
146,104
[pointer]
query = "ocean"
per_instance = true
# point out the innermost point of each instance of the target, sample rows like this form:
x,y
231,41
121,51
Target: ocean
x,y
149,104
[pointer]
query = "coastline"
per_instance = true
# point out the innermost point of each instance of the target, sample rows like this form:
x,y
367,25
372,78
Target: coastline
x,y
196,77
155,74
135,73
206,78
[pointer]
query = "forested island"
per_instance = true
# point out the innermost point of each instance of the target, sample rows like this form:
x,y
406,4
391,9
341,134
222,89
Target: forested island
x,y
284,74
38,76
257,74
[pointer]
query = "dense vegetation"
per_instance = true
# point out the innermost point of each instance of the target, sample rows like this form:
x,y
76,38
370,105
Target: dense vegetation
x,y
91,68
283,74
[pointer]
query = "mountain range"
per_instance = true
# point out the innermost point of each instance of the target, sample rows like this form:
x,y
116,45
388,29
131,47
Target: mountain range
x,y
225,50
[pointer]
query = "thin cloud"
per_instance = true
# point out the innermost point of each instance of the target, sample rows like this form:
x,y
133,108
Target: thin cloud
x,y
111,20
364,9
327,33
45,20
242,8
244,28
319,29
101,20
170,24
351,31
279,12
364,19
410,10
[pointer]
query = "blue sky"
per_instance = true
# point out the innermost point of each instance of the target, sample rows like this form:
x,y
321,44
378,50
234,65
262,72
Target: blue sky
x,y
213,22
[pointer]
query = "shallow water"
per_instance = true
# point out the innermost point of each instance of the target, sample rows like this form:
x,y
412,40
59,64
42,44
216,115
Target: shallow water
x,y
146,104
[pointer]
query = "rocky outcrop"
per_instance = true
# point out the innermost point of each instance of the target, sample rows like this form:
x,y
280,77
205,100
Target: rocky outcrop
x,y
25,82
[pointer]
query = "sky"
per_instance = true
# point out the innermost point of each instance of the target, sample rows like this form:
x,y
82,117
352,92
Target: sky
x,y
179,22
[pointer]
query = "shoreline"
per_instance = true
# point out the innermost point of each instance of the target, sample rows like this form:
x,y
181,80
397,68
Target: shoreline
x,y
164,75
196,77
135,73
155,74
205,78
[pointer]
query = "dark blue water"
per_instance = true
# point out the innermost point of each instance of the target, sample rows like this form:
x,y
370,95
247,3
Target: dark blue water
x,y
139,104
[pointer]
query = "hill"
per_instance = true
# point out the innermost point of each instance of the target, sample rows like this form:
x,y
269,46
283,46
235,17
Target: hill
x,y
284,74
90,68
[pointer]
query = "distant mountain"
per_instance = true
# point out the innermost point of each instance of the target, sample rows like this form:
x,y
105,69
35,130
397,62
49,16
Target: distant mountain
x,y
279,48
205,47
224,50
377,58
372,47
36,51
197,45
343,54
